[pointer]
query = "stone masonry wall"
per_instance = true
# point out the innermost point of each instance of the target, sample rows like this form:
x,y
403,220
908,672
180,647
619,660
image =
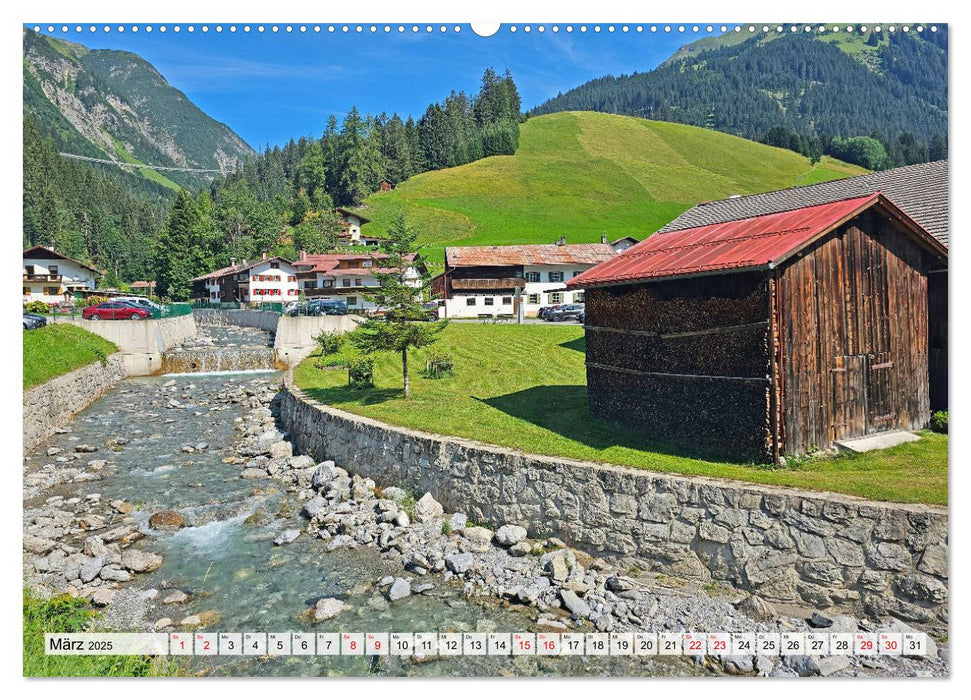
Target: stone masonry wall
x,y
823,550
53,404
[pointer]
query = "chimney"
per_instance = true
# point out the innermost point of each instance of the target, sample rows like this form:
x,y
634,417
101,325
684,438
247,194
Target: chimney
x,y
264,255
232,261
303,255
603,237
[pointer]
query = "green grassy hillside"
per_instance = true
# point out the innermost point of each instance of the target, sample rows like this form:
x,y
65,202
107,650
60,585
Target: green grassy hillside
x,y
582,174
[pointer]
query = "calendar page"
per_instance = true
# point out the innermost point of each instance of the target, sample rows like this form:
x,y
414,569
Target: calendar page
x,y
436,349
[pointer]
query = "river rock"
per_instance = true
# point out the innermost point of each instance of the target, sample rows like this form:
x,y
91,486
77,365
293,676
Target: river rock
x,y
399,589
328,608
283,448
314,505
85,448
175,598
324,474
113,573
38,545
508,535
163,622
103,596
458,563
757,608
575,604
480,535
457,522
91,569
520,549
286,537
139,562
402,519
166,520
428,508
393,492
828,665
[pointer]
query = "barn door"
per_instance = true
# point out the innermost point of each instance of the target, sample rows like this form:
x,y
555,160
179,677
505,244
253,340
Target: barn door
x,y
849,397
881,409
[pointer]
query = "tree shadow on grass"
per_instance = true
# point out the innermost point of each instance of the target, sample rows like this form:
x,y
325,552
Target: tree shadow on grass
x,y
362,397
562,409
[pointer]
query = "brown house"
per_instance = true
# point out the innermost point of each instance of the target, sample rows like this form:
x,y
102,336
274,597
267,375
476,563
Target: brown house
x,y
766,335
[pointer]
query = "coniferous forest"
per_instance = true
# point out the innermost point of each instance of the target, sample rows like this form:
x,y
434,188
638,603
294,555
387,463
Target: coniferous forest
x,y
876,100
279,202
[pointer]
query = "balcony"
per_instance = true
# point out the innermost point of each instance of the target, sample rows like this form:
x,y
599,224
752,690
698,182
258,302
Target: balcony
x,y
42,278
336,291
487,283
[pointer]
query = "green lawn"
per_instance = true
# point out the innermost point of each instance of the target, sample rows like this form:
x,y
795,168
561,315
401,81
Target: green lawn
x,y
66,614
583,174
525,387
59,348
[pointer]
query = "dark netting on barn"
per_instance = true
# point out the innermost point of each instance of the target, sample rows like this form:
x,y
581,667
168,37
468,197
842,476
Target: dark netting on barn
x,y
739,352
727,417
691,304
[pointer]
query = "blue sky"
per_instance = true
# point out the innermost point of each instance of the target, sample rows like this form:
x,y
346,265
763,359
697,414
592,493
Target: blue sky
x,y
271,87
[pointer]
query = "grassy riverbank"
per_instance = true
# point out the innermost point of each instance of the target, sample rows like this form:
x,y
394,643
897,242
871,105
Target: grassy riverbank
x,y
67,614
525,387
59,348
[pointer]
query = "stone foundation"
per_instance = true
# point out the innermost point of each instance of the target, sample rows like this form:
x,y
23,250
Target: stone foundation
x,y
822,550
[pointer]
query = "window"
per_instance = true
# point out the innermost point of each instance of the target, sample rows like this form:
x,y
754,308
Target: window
x,y
556,298
506,301
26,291
51,291
576,272
274,266
29,269
346,282
367,263
533,298
308,285
578,297
357,281
352,301
489,301
52,270
470,301
212,295
532,277
556,277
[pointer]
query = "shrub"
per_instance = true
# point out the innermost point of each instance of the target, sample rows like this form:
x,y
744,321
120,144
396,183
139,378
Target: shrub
x,y
438,366
939,422
360,373
36,307
330,343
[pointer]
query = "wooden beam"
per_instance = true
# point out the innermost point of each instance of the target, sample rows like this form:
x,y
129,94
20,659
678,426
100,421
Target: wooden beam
x,y
668,375
683,334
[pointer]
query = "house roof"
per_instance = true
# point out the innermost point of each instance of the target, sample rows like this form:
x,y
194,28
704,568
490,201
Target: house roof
x,y
760,242
233,269
547,254
47,253
625,238
348,212
919,190
327,262
139,284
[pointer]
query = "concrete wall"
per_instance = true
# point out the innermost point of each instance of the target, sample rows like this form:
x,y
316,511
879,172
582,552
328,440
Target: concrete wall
x,y
53,404
295,334
141,343
821,550
265,320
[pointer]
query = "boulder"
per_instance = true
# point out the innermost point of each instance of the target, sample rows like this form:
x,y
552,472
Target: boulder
x,y
286,537
458,563
139,562
103,596
508,535
399,589
166,520
520,549
458,521
478,534
281,448
324,474
428,508
575,604
328,608
314,505
91,569
175,598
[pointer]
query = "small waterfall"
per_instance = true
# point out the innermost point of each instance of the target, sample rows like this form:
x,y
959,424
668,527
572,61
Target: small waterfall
x,y
218,360
222,349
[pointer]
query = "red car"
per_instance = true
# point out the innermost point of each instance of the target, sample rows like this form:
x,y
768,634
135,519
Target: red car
x,y
115,310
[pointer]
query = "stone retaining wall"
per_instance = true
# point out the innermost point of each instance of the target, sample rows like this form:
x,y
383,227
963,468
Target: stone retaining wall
x,y
264,320
53,404
823,550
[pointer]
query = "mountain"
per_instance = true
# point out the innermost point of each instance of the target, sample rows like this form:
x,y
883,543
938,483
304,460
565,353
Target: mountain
x,y
584,174
805,90
114,105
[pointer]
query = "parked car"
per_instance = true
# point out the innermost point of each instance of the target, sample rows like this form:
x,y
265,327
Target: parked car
x,y
33,321
566,312
431,309
114,311
141,302
545,311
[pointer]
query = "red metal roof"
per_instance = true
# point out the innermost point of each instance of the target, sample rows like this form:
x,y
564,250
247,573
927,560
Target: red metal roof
x,y
760,241
548,254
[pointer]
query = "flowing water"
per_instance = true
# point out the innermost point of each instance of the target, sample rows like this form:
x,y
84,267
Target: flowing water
x,y
225,556
220,348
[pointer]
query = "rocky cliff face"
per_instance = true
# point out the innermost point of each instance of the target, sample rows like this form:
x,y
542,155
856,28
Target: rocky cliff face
x,y
116,106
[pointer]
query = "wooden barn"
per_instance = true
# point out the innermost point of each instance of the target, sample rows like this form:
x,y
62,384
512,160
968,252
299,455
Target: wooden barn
x,y
768,335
